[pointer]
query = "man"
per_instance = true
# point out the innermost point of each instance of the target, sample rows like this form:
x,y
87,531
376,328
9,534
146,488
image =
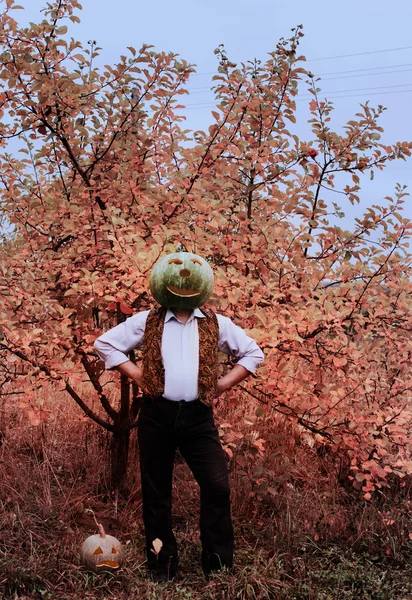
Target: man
x,y
179,381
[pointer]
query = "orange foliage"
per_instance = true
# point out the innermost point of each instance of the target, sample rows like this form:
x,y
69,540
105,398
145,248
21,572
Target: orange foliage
x,y
110,179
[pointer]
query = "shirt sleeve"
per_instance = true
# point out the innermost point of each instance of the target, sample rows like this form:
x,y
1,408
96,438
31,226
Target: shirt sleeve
x,y
113,346
234,341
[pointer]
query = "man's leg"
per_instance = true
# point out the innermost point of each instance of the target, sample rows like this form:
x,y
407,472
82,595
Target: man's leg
x,y
157,451
200,445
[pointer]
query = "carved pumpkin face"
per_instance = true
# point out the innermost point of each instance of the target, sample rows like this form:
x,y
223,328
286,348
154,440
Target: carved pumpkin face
x,y
181,280
102,552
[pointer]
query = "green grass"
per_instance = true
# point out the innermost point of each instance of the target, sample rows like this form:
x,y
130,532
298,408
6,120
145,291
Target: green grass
x,y
311,538
42,563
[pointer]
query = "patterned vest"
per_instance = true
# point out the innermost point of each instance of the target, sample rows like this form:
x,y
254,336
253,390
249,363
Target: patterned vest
x,y
153,369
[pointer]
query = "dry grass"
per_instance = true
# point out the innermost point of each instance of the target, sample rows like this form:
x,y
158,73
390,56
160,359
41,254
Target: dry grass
x,y
301,533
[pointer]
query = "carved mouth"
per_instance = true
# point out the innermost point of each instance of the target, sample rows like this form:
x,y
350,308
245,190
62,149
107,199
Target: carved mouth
x,y
182,292
108,563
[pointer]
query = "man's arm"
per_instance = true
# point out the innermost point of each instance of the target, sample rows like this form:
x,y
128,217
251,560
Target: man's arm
x,y
232,378
131,370
234,341
114,345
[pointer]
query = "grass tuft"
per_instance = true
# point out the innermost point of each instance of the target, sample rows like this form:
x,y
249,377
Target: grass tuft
x,y
301,532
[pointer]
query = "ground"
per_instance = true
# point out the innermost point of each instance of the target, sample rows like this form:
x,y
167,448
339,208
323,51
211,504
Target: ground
x,y
306,534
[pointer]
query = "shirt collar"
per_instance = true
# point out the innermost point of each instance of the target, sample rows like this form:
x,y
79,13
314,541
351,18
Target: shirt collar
x,y
195,313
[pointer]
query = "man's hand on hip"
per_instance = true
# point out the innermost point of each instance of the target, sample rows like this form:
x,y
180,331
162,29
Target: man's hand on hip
x,y
131,370
235,376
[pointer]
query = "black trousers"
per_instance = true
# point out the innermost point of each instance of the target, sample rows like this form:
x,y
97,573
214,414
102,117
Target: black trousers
x,y
164,426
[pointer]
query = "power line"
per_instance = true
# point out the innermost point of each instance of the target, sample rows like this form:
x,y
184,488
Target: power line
x,y
206,105
331,57
367,69
371,94
379,87
366,74
207,90
199,90
365,89
361,53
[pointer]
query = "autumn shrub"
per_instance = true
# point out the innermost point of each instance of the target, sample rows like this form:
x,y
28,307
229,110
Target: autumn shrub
x,y
107,179
297,536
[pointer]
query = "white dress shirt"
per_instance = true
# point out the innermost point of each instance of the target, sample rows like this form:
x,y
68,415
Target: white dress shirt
x,y
180,349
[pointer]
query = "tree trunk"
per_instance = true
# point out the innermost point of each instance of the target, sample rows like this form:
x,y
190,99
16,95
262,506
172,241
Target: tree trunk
x,y
123,420
119,457
120,441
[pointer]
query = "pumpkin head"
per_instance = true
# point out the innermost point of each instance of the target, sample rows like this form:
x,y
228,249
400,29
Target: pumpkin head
x,y
181,280
102,552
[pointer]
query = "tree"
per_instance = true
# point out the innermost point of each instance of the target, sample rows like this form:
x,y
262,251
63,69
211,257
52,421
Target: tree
x,y
110,180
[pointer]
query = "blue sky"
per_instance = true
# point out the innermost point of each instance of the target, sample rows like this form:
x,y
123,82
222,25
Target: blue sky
x,y
372,31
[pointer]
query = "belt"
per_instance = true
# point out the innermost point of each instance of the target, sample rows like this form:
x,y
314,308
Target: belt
x,y
163,399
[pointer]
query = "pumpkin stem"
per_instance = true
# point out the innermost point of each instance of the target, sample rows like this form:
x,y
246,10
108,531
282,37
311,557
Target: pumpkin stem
x,y
101,530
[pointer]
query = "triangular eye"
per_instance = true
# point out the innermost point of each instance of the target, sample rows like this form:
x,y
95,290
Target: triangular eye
x,y
98,551
114,551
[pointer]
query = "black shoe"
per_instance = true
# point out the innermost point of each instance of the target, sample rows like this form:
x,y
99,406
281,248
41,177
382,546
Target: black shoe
x,y
214,564
162,575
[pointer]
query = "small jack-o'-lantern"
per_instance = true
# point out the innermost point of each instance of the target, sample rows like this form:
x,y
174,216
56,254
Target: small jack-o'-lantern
x,y
181,280
101,552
